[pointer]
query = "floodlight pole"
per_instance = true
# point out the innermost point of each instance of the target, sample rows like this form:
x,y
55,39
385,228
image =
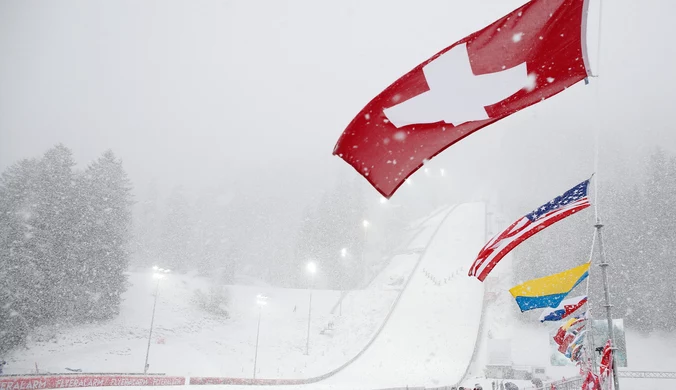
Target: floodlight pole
x,y
258,332
152,320
309,317
608,306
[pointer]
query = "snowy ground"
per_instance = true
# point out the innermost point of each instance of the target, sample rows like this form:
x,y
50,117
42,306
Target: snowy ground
x,y
427,341
430,338
188,341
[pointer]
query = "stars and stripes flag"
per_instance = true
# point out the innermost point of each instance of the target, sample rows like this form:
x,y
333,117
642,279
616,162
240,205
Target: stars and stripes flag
x,y
572,201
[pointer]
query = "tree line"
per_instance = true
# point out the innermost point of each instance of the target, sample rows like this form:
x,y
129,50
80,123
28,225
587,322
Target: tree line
x,y
64,235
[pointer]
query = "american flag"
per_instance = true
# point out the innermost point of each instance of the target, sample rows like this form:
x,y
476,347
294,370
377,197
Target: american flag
x,y
559,208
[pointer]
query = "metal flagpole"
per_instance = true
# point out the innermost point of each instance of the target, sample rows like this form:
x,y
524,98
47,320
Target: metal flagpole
x,y
606,291
590,319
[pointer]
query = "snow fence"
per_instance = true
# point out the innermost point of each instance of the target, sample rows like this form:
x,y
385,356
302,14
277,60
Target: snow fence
x,y
72,381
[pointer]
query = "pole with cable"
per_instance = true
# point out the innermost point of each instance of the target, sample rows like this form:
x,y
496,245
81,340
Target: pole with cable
x,y
311,268
608,306
261,300
159,274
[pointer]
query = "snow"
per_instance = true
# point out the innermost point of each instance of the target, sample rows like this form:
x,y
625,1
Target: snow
x,y
428,340
425,342
530,342
188,341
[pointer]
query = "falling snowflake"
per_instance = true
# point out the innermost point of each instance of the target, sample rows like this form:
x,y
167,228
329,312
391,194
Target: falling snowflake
x,y
517,37
400,135
531,82
550,79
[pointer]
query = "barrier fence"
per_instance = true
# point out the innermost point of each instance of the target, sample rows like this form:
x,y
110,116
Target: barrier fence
x,y
72,381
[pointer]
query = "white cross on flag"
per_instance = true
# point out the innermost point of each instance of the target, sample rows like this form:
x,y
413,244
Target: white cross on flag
x,y
527,56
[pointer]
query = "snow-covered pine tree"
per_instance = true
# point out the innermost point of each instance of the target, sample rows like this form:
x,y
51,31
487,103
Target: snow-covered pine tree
x,y
105,201
21,307
55,217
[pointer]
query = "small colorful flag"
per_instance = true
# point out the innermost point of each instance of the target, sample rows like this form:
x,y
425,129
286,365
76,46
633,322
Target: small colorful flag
x,y
572,201
571,326
577,341
550,290
606,361
591,382
564,309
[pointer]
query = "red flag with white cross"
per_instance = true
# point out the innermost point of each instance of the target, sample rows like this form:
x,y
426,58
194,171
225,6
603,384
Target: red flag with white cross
x,y
529,55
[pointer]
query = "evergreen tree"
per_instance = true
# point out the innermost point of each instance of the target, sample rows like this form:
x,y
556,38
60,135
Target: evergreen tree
x,y
103,237
20,306
55,215
332,234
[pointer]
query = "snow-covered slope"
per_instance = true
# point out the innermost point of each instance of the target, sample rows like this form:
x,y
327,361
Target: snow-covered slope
x,y
189,341
430,337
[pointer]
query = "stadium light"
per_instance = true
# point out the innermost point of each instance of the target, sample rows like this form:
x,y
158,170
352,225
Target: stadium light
x,y
312,269
261,300
159,274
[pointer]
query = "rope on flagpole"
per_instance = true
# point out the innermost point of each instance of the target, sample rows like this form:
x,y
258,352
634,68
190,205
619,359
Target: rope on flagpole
x,y
598,112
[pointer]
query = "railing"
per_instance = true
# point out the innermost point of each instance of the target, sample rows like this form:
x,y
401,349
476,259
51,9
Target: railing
x,y
647,374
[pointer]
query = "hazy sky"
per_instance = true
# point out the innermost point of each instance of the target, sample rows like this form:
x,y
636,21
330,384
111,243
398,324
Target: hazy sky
x,y
196,92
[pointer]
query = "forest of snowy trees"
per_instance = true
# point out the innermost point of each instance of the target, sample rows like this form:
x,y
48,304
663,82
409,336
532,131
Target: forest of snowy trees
x,y
64,237
230,230
640,245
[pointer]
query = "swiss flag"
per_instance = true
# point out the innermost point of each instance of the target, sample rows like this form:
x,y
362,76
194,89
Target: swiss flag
x,y
529,55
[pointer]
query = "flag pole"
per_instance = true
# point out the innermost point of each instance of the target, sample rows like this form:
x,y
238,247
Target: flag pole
x,y
590,318
608,306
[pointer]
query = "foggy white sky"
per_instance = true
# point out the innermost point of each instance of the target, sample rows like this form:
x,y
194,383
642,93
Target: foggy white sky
x,y
197,92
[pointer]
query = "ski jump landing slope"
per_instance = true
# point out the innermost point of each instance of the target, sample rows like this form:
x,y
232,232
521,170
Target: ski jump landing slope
x,y
430,337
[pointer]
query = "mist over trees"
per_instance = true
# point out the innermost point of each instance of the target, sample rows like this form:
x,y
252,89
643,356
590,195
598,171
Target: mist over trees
x,y
243,231
640,243
63,242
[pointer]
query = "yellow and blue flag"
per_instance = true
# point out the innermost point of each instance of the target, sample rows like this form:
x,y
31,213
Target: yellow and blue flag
x,y
550,290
